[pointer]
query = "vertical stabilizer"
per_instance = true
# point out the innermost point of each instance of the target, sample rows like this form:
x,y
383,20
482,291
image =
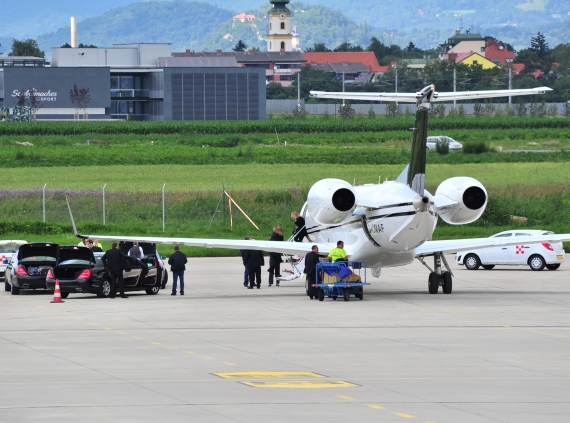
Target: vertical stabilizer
x,y
417,166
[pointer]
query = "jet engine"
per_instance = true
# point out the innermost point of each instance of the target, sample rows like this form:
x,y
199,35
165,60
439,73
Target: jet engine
x,y
331,201
460,200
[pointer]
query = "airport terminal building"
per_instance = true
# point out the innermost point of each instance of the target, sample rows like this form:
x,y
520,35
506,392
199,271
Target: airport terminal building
x,y
137,82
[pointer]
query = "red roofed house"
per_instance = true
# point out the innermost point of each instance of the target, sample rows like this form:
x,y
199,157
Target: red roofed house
x,y
242,17
497,53
368,58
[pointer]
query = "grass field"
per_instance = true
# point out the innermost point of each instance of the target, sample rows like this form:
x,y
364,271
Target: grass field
x,y
264,177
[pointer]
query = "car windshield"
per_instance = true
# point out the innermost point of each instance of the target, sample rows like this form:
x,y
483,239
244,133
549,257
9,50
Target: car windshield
x,y
38,258
9,247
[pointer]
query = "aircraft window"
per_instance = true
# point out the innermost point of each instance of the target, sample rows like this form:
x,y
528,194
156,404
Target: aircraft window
x,y
548,233
502,235
518,234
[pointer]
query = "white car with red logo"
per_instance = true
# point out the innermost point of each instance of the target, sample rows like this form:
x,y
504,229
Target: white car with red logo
x,y
7,249
537,256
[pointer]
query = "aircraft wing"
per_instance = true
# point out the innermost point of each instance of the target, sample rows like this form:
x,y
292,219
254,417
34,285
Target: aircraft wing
x,y
401,97
455,245
298,248
467,95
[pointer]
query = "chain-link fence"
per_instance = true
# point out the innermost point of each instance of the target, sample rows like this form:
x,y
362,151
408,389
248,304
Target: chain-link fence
x,y
155,212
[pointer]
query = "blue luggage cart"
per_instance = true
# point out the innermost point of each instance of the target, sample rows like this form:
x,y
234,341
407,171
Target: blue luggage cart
x,y
341,279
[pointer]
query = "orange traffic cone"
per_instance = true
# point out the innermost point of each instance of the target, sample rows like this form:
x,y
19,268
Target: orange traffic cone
x,y
57,293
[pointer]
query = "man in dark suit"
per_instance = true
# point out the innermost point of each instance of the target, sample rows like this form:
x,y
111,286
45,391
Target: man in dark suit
x,y
114,261
253,260
311,260
275,258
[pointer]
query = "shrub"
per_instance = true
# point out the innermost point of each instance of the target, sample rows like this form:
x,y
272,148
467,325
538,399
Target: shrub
x,y
346,111
440,110
442,147
520,109
392,110
552,110
477,147
566,109
453,113
499,111
299,112
461,111
371,112
489,108
478,109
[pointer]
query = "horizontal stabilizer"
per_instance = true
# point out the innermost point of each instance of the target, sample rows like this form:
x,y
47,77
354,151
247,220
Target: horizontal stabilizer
x,y
441,202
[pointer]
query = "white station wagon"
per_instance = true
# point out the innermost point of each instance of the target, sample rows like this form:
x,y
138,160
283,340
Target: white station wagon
x,y
537,256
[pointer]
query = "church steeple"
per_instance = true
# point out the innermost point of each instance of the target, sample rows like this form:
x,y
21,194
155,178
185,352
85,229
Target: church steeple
x,y
280,37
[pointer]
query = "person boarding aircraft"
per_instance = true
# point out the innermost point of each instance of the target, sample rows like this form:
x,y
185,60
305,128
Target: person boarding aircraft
x,y
388,224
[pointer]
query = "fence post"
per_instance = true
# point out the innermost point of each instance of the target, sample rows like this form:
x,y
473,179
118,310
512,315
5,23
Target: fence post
x,y
104,222
44,201
163,209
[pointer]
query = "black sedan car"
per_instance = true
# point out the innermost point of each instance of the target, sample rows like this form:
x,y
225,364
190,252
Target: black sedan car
x,y
29,267
79,270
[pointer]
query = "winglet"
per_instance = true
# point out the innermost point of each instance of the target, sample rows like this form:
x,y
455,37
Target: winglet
x,y
73,221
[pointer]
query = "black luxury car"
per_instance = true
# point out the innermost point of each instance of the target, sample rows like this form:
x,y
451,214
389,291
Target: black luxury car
x,y
29,267
79,270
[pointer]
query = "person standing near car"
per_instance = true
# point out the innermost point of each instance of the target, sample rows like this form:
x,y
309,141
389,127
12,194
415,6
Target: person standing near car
x,y
311,261
136,251
253,260
93,248
275,258
177,262
114,261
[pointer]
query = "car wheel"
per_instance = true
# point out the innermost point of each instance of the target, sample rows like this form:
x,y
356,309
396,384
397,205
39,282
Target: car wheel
x,y
165,279
536,263
553,266
472,262
346,295
15,290
447,283
64,295
104,289
153,291
433,283
488,266
7,287
360,296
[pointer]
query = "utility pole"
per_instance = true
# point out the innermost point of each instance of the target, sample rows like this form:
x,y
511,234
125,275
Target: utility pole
x,y
510,80
299,90
396,86
343,87
454,84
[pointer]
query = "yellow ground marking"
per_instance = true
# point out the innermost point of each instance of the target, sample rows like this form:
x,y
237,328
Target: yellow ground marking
x,y
154,343
487,321
190,352
107,328
93,323
302,385
42,307
207,357
376,407
406,416
227,363
344,397
5,296
266,375
172,348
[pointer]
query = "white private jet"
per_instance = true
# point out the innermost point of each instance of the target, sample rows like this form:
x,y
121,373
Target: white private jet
x,y
388,224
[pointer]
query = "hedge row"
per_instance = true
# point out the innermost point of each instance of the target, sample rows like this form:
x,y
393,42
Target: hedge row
x,y
270,126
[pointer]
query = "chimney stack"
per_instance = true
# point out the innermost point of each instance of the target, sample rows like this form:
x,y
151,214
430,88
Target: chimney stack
x,y
188,51
218,52
73,32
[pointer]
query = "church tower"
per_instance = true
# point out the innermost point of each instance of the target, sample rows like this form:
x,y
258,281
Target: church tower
x,y
280,37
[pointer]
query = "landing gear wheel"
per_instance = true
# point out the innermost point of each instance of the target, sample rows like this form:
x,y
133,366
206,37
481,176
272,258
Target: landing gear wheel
x,y
488,266
64,295
553,266
104,289
15,290
433,283
153,291
447,283
7,287
346,295
321,295
536,263
472,262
